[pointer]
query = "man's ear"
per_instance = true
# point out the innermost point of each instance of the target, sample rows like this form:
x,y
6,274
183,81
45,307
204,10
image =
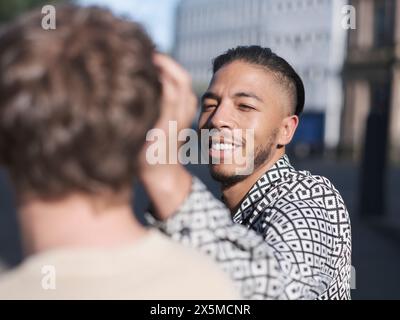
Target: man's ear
x,y
287,130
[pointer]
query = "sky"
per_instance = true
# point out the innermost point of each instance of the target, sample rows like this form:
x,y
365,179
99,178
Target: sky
x,y
157,16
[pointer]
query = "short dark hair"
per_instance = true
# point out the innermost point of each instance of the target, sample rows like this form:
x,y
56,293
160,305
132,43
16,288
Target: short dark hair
x,y
76,102
266,58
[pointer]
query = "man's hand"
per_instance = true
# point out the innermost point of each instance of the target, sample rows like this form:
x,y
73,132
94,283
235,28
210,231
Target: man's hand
x,y
179,103
168,185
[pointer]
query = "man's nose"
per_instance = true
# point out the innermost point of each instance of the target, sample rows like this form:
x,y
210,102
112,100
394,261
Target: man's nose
x,y
222,117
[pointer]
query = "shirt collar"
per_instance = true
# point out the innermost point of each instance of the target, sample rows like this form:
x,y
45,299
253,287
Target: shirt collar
x,y
249,203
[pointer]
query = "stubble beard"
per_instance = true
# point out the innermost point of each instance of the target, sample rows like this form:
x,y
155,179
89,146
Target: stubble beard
x,y
261,156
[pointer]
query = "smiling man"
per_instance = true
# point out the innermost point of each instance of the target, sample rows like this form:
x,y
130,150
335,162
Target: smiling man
x,y
301,218
244,94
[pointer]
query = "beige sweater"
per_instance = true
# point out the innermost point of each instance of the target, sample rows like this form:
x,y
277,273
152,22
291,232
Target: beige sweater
x,y
152,268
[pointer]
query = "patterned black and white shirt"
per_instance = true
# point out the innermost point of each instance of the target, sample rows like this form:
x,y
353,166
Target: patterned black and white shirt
x,y
296,243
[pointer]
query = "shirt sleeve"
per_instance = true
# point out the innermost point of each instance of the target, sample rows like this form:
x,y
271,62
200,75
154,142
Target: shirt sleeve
x,y
261,266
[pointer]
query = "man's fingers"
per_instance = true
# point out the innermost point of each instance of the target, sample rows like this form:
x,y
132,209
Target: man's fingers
x,y
172,70
179,100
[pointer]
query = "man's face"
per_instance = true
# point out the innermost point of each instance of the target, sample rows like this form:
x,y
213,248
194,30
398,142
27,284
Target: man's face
x,y
243,96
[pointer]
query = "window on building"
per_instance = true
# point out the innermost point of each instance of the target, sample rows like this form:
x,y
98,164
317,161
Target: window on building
x,y
297,41
380,96
299,4
384,22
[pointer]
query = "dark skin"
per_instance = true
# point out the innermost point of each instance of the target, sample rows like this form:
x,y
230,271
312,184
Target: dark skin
x,y
242,96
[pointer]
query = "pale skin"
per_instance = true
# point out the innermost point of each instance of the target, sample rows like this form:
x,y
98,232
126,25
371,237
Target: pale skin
x,y
240,96
78,221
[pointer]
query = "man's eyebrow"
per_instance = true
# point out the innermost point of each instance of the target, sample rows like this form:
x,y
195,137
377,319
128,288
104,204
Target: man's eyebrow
x,y
210,95
248,95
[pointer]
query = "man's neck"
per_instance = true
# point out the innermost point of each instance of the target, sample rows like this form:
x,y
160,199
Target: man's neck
x,y
77,221
234,194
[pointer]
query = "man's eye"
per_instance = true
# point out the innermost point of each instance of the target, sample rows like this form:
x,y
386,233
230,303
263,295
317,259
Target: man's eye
x,y
209,106
245,107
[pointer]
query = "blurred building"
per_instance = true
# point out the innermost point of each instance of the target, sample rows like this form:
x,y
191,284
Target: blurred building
x,y
372,78
307,33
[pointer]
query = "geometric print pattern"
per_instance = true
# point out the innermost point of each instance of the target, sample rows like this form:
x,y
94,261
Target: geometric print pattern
x,y
289,239
304,218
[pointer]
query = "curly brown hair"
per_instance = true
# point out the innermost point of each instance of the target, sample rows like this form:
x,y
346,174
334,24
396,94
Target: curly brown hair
x,y
75,102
